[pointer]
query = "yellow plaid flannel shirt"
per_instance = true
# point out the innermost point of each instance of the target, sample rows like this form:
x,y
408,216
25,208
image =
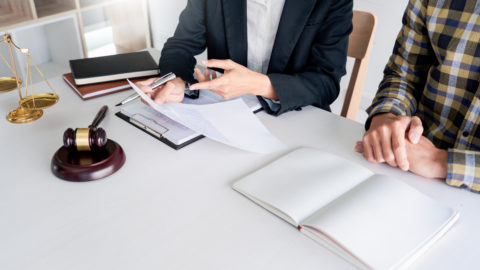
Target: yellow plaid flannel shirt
x,y
434,73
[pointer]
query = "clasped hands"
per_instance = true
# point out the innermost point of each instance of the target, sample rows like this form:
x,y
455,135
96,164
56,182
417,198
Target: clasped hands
x,y
398,141
237,80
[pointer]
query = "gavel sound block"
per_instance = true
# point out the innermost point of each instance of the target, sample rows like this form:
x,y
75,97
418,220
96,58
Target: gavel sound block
x,y
87,154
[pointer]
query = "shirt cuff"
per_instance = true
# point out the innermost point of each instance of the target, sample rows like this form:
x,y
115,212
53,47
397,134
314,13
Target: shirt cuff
x,y
272,104
462,170
383,107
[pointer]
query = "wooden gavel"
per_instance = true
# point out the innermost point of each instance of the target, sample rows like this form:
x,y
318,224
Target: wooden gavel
x,y
87,139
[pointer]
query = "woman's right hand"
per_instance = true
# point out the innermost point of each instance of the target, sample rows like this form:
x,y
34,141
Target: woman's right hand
x,y
171,92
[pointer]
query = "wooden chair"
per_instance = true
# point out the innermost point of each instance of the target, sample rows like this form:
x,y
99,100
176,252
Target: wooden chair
x,y
360,44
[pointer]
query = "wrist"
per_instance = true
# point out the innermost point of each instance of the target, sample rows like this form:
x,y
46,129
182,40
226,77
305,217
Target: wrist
x,y
179,81
378,118
441,164
264,87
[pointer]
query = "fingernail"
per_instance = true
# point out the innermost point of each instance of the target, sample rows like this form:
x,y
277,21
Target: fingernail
x,y
415,138
193,87
204,62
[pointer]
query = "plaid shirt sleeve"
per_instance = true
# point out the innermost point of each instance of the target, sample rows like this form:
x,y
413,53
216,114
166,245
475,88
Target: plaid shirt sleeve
x,y
462,170
405,77
407,69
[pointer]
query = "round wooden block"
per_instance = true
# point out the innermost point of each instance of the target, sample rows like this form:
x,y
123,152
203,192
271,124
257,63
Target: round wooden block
x,y
72,165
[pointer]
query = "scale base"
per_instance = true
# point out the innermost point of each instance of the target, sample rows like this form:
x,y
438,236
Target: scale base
x,y
21,116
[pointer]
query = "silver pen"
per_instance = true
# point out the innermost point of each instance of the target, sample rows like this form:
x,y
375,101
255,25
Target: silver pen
x,y
157,83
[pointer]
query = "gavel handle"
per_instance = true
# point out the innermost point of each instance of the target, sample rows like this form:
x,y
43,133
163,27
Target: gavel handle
x,y
99,117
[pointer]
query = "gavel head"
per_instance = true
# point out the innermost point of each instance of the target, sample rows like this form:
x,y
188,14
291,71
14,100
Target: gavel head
x,y
85,139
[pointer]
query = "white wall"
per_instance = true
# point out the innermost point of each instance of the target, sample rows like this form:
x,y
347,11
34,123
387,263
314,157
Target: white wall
x,y
164,18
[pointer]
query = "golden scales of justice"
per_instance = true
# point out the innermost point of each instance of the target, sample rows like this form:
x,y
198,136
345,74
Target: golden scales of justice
x,y
30,105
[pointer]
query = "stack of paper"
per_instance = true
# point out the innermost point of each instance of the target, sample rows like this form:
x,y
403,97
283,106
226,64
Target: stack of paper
x,y
229,122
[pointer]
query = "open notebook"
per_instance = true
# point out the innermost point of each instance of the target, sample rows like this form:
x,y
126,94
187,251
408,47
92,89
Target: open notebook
x,y
372,221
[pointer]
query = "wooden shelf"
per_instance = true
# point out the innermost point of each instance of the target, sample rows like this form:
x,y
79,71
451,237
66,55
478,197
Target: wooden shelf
x,y
87,3
49,7
14,11
109,16
126,35
56,31
51,44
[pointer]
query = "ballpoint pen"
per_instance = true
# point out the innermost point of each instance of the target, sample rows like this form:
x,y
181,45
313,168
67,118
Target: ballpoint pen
x,y
158,82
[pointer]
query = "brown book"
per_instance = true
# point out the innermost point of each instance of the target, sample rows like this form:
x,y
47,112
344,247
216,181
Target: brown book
x,y
99,89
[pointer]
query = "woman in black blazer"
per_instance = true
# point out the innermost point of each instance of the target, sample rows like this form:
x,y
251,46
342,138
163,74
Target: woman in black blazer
x,y
307,60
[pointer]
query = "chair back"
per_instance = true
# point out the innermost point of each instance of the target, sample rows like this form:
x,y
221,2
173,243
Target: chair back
x,y
359,47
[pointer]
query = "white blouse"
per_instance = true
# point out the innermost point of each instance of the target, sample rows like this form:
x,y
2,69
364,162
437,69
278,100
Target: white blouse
x,y
263,17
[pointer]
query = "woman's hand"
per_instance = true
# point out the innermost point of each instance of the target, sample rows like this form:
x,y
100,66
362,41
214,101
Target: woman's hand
x,y
237,80
205,77
172,91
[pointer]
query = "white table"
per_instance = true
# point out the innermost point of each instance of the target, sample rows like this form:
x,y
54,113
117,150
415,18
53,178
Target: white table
x,y
168,209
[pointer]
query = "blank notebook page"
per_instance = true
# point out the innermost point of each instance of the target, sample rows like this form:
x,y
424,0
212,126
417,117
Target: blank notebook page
x,y
302,181
382,220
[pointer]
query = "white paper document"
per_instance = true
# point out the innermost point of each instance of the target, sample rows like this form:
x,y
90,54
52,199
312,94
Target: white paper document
x,y
229,122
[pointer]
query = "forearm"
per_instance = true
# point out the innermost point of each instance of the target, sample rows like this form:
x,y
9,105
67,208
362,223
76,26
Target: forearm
x,y
406,72
312,76
394,96
302,89
178,53
181,65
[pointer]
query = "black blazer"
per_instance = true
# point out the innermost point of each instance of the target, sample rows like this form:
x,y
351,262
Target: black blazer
x,y
308,57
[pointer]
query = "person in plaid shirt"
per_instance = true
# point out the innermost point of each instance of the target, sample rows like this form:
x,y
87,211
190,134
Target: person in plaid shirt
x,y
425,115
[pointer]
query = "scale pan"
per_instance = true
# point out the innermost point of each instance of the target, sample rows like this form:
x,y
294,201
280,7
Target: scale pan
x,y
8,84
39,101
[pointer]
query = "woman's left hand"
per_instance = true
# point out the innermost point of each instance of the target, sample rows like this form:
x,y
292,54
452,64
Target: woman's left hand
x,y
236,80
206,76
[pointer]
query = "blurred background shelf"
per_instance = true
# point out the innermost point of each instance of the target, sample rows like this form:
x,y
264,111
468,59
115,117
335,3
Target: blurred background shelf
x,y
14,11
56,31
48,7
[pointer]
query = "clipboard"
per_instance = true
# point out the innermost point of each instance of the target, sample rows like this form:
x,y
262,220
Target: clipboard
x,y
168,131
155,133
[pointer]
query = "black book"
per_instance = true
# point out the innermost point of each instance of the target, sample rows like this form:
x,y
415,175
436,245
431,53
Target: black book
x,y
113,67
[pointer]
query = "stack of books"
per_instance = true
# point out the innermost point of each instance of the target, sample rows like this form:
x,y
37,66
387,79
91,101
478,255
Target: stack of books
x,y
99,76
